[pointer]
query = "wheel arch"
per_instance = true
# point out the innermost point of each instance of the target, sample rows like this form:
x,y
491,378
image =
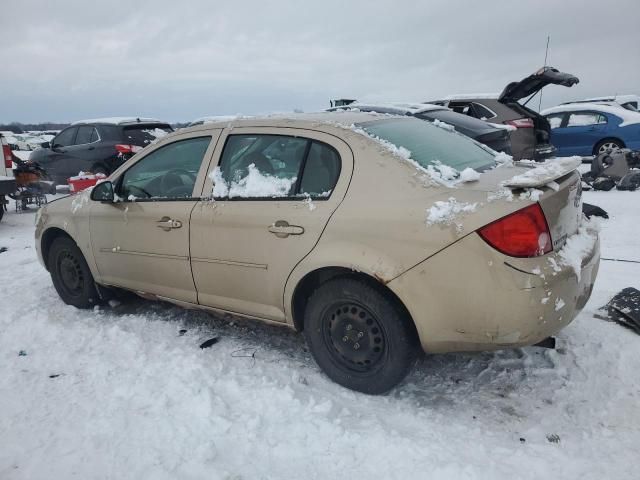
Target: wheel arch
x,y
607,139
313,279
48,237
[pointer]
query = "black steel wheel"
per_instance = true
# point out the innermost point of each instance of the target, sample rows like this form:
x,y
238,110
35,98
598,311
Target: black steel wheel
x,y
357,338
70,274
360,337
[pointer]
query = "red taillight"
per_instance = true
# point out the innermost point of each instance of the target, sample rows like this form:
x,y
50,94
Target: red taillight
x,y
521,123
124,148
6,153
524,233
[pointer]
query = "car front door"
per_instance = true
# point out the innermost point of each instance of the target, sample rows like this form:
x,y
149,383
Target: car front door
x,y
274,190
55,162
81,156
141,242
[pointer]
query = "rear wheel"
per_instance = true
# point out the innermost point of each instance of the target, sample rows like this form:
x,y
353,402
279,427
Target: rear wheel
x,y
607,144
360,338
70,274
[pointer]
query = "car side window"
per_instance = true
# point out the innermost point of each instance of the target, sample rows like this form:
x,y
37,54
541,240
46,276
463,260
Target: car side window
x,y
84,135
482,112
65,138
321,171
555,120
275,166
581,119
94,136
166,173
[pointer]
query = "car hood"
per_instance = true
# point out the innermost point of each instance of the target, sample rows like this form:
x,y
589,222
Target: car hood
x,y
535,82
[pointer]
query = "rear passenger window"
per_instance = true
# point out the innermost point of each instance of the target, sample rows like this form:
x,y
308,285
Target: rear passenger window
x,y
275,166
321,171
482,112
585,118
84,135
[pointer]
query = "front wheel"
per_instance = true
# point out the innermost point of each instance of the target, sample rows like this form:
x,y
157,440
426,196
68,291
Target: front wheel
x,y
358,336
70,274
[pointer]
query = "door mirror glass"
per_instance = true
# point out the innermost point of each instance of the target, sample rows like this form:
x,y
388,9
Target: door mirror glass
x,y
103,192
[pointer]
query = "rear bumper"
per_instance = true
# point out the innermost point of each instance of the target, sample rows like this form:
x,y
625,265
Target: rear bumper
x,y
470,297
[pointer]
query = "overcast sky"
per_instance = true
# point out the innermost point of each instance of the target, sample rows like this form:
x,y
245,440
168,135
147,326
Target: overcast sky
x,y
178,60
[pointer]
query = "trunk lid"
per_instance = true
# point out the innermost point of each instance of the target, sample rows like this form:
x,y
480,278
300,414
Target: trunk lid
x,y
533,83
555,185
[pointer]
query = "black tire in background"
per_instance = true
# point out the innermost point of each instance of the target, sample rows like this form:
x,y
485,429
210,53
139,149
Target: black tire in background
x,y
70,274
359,336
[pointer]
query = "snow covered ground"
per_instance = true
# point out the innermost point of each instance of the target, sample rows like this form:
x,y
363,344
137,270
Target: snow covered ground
x,y
121,393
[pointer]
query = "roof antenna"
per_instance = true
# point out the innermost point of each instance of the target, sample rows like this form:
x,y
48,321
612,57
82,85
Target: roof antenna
x,y
546,54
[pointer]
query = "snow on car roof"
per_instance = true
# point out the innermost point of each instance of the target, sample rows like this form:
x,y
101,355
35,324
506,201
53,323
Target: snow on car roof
x,y
215,118
118,120
628,117
472,96
399,107
615,98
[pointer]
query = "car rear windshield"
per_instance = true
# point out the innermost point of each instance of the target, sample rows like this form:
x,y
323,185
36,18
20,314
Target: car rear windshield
x,y
429,144
143,135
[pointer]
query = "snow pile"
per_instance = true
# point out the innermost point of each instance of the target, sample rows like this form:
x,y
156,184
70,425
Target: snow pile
x,y
578,247
469,175
545,172
445,213
532,194
500,194
156,134
254,184
445,125
504,160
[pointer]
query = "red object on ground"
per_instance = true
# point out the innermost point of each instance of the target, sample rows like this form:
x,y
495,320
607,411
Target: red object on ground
x,y
78,184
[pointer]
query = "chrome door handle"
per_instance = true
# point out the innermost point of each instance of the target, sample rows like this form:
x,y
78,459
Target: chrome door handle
x,y
282,229
167,223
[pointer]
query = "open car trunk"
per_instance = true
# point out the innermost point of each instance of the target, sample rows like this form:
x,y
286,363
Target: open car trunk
x,y
534,83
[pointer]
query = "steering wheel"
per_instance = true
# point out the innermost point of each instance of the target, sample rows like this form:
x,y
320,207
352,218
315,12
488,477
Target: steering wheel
x,y
173,179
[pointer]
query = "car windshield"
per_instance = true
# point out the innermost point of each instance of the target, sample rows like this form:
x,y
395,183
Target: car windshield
x,y
430,144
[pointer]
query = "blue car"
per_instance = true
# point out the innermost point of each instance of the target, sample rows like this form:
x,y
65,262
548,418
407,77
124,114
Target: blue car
x,y
591,128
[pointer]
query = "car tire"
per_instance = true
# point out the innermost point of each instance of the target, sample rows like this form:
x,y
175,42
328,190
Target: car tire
x,y
606,144
359,336
70,274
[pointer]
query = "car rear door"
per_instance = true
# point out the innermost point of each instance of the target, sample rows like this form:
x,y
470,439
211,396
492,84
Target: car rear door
x,y
274,191
142,241
579,132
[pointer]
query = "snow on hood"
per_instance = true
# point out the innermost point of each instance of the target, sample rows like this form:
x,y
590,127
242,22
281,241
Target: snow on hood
x,y
628,117
544,173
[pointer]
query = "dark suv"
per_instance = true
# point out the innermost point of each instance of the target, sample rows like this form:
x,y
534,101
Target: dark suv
x,y
96,146
531,131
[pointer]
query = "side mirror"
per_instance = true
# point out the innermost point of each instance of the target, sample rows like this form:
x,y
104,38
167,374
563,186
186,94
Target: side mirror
x,y
45,145
103,192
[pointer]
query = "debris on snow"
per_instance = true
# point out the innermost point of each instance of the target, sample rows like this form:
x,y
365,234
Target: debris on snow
x,y
208,343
